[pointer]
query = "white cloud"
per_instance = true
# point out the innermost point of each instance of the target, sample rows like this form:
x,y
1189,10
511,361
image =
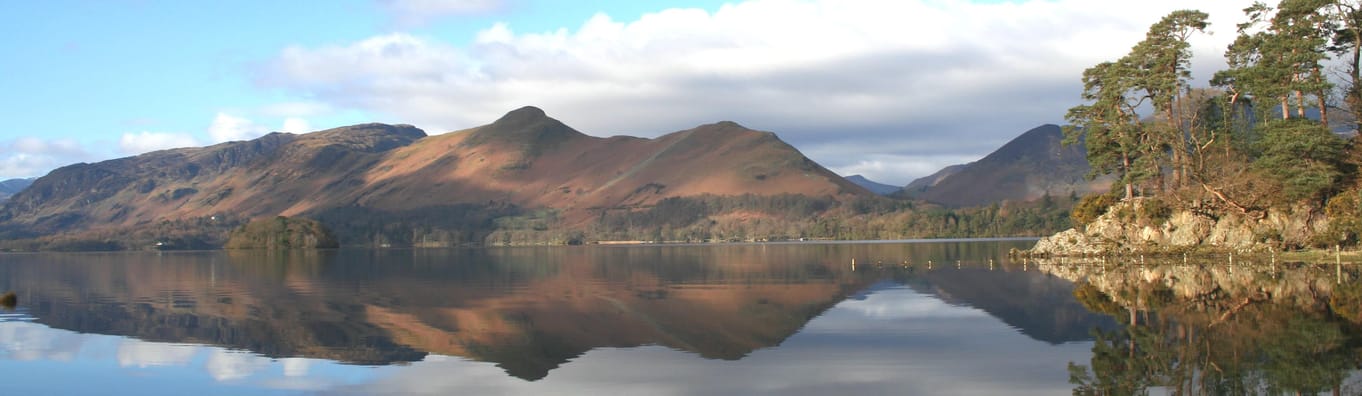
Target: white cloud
x,y
137,143
225,365
33,145
137,353
21,340
226,128
296,125
919,307
295,367
410,13
31,156
858,72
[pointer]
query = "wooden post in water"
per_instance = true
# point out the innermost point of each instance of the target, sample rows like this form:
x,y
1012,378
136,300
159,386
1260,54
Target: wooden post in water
x,y
853,265
1338,264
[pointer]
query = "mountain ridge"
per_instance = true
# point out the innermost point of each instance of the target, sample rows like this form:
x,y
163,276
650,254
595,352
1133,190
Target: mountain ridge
x,y
365,177
1027,167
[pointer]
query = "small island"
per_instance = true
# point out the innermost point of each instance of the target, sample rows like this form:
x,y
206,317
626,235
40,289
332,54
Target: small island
x,y
282,233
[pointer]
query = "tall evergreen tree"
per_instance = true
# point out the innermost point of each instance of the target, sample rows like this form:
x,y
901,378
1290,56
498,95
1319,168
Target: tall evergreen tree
x,y
1278,56
1154,72
1164,60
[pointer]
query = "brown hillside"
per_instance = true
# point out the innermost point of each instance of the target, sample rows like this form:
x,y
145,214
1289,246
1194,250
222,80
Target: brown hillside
x,y
529,159
373,173
274,174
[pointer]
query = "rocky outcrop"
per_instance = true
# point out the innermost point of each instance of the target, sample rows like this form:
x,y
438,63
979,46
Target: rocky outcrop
x,y
1124,229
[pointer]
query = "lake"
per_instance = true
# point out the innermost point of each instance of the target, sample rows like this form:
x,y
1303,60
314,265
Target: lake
x,y
914,317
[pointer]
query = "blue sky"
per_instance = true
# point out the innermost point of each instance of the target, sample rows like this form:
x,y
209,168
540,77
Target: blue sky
x,y
891,89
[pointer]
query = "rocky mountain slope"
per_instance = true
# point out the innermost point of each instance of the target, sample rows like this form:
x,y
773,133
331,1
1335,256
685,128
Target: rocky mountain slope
x,y
1024,169
376,178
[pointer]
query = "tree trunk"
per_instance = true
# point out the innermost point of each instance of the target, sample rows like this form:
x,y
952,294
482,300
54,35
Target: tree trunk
x,y
1179,139
1319,97
1300,104
1232,115
1158,176
1323,112
1125,166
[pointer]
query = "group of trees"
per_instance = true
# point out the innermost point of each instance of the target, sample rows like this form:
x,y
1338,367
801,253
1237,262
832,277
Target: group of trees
x,y
1259,136
790,216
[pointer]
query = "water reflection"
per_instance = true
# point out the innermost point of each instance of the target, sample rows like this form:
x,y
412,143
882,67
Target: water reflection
x,y
1214,328
759,317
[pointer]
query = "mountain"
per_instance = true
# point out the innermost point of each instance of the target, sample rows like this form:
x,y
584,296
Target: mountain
x,y
873,186
1025,168
377,182
529,159
12,186
923,183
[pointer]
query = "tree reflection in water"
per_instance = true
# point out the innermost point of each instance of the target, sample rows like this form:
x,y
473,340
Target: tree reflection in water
x,y
1219,330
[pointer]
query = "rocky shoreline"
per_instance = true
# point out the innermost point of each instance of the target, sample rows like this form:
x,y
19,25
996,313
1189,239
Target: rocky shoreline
x,y
1122,230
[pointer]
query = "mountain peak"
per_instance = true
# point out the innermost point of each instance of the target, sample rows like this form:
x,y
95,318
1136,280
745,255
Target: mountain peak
x,y
522,115
527,126
722,126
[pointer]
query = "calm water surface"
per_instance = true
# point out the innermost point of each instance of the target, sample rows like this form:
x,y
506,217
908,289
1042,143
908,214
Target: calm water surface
x,y
953,317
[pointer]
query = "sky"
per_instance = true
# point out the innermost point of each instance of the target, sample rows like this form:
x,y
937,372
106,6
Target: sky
x,y
890,89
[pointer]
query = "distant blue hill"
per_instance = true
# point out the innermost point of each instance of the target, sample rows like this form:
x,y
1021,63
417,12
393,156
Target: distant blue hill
x,y
13,186
873,186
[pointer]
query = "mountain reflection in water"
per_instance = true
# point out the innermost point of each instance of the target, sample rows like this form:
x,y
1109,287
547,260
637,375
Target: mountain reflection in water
x,y
537,311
